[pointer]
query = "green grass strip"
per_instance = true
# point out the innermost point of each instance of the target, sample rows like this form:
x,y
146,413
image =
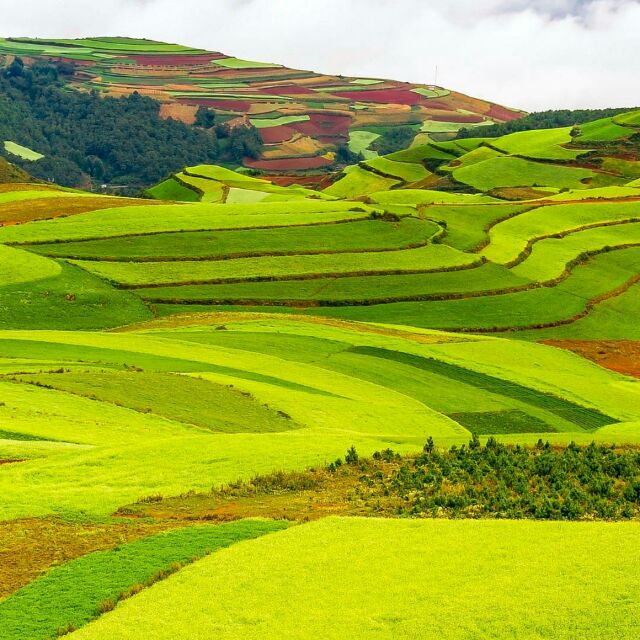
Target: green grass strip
x,y
64,353
585,418
71,595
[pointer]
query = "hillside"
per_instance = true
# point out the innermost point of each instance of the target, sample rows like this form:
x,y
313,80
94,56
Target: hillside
x,y
235,394
10,173
536,238
303,117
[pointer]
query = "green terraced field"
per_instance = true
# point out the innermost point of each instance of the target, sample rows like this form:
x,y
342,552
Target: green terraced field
x,y
549,258
549,305
372,235
357,181
432,257
72,299
517,172
157,356
20,266
186,399
544,144
510,237
118,222
406,171
346,289
70,595
322,375
171,189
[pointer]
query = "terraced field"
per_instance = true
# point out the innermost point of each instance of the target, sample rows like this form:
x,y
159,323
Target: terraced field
x,y
233,337
302,116
326,384
423,257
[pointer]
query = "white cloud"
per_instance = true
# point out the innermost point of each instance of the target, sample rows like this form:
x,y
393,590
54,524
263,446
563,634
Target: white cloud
x,y
532,55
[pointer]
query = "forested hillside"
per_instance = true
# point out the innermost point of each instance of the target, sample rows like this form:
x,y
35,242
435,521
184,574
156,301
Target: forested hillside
x,y
122,141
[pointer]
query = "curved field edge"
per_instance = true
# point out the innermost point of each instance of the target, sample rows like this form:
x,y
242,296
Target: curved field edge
x,y
320,296
69,596
468,578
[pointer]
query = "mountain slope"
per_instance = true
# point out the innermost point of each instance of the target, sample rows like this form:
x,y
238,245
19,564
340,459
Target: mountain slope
x,y
303,117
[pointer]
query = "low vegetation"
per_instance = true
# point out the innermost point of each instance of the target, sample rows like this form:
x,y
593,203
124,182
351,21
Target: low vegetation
x,y
474,480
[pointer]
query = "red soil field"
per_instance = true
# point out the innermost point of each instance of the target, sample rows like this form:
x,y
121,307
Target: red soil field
x,y
392,96
501,113
430,103
49,208
32,546
178,111
288,164
622,356
275,135
311,182
324,124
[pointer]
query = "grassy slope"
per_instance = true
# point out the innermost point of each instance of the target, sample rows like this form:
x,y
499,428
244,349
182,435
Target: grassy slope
x,y
348,398
181,217
426,258
467,579
73,299
361,235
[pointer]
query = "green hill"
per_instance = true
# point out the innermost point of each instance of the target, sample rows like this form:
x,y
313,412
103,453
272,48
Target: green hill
x,y
230,348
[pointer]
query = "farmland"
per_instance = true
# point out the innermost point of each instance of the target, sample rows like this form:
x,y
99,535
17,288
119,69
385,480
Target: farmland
x,y
362,556
302,117
437,345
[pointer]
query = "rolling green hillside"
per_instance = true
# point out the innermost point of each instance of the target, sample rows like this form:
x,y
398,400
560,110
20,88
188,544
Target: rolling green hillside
x,y
524,254
205,354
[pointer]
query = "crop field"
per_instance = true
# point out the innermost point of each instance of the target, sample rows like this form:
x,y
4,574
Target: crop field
x,y
405,255
432,257
407,172
210,183
71,595
22,152
362,235
383,400
359,181
563,575
518,172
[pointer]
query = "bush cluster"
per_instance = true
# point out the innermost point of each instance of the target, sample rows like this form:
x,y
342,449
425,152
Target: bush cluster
x,y
502,481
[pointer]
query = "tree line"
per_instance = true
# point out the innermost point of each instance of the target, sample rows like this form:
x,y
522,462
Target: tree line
x,y
550,119
496,480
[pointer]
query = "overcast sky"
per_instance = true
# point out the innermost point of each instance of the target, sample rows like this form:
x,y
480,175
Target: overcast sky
x,y
526,54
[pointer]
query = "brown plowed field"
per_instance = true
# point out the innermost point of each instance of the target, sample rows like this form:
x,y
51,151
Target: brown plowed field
x,y
31,546
622,356
48,208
